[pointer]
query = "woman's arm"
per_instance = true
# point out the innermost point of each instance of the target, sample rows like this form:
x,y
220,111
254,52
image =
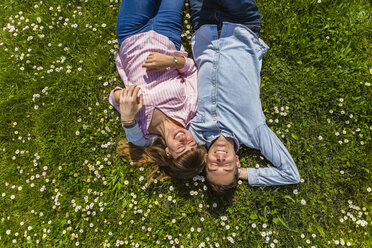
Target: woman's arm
x,y
157,62
189,68
135,136
130,103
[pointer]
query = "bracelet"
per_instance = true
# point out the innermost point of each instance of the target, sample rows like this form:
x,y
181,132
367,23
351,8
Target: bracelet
x,y
175,62
129,124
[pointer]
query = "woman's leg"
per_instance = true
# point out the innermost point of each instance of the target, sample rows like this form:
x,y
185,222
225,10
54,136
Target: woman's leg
x,y
168,20
133,17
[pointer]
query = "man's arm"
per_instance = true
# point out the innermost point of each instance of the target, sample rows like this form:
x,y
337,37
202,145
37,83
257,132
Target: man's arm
x,y
243,174
283,171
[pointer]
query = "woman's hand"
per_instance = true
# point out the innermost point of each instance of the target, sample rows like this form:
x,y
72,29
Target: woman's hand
x,y
130,103
157,62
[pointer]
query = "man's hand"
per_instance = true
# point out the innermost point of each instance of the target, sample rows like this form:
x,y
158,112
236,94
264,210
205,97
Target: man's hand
x,y
157,62
130,103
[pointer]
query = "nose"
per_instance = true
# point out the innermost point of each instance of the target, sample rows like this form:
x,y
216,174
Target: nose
x,y
220,157
182,139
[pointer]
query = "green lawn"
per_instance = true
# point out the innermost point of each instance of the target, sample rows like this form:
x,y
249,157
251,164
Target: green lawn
x,y
62,184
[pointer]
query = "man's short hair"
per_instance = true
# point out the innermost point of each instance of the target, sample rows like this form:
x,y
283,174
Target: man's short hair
x,y
221,190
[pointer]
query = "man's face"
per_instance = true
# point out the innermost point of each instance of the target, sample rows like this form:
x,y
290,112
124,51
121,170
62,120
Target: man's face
x,y
222,162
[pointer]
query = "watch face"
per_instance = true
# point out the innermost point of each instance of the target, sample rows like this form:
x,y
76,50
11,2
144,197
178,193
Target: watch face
x,y
175,62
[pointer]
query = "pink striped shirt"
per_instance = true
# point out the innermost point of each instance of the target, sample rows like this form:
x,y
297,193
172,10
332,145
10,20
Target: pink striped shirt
x,y
172,91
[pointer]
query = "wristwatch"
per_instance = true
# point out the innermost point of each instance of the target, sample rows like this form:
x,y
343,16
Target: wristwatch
x,y
175,62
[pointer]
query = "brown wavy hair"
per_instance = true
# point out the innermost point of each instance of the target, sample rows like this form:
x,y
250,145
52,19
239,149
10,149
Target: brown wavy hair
x,y
185,166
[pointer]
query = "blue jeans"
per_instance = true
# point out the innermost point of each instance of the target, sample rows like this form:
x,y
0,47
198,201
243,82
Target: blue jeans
x,y
162,16
244,12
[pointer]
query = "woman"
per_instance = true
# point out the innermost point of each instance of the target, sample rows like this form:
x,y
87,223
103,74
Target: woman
x,y
152,63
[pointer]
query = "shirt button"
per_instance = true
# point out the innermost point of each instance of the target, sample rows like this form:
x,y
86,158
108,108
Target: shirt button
x,y
214,85
214,102
214,119
217,51
214,67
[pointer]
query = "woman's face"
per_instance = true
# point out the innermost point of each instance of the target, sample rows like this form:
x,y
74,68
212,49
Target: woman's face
x,y
179,141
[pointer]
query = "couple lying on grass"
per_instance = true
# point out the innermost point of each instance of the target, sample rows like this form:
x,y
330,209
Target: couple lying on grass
x,y
172,112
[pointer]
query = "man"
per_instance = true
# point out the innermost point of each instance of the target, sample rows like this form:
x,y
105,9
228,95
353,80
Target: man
x,y
228,54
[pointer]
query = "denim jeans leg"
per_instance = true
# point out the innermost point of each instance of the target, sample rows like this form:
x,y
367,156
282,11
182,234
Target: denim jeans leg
x,y
133,17
195,9
168,20
204,12
244,12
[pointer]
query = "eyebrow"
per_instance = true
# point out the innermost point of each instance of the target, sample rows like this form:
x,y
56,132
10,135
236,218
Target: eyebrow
x,y
193,145
183,151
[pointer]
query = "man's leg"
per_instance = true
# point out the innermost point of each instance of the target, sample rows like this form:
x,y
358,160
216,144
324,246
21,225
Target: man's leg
x,y
168,20
204,12
133,17
244,12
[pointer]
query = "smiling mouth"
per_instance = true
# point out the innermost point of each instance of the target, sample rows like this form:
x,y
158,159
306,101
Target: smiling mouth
x,y
178,134
223,152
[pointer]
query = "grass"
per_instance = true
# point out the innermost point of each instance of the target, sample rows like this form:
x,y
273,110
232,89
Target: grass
x,y
62,184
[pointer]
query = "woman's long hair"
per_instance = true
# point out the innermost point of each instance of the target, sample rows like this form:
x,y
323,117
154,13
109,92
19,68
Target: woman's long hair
x,y
185,166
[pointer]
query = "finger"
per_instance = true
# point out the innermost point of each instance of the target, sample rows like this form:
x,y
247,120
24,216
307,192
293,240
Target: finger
x,y
154,70
140,102
126,92
148,65
135,89
130,90
135,92
149,59
123,94
145,65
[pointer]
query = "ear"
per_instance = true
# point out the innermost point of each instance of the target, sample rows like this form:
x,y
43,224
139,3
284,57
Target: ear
x,y
237,161
167,152
206,157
